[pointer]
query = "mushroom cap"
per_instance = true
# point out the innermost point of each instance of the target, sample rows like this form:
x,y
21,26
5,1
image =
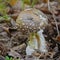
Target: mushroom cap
x,y
31,20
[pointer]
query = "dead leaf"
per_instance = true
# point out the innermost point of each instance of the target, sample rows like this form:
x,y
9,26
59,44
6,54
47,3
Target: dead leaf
x,y
58,38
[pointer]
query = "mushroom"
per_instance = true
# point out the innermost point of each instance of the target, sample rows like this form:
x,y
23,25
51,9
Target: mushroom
x,y
30,22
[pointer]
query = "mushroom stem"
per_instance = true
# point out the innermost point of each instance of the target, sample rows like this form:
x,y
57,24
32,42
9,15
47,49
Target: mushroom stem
x,y
43,45
37,42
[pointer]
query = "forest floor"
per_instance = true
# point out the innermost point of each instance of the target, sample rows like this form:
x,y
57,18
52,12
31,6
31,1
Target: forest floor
x,y
12,44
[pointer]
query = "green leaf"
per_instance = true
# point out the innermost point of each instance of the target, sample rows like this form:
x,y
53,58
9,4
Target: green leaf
x,y
7,58
11,58
5,18
32,5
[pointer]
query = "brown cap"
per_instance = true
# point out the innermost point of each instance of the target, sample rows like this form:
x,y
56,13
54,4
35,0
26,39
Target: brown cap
x,y
31,20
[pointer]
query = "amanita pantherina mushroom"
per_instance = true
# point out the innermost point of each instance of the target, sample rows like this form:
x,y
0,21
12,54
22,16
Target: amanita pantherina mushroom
x,y
31,22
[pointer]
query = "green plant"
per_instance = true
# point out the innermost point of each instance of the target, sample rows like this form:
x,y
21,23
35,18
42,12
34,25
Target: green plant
x,y
2,8
3,11
7,58
29,2
5,18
